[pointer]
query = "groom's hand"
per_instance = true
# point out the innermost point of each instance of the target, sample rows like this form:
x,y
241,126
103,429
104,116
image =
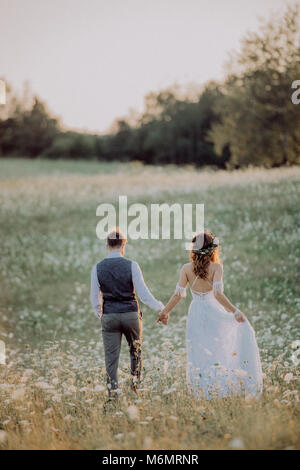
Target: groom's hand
x,y
163,317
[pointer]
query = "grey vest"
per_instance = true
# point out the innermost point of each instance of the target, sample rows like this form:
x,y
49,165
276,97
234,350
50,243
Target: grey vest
x,y
115,280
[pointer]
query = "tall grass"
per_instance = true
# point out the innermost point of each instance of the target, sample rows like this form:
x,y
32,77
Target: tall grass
x,y
52,387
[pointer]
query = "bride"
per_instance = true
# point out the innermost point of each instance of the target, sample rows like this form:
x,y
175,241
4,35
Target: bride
x,y
222,354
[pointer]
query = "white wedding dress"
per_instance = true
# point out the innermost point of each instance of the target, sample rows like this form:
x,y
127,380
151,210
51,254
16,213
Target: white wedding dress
x,y
222,354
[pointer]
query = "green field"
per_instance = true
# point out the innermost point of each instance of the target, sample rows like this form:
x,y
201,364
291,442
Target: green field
x,y
52,386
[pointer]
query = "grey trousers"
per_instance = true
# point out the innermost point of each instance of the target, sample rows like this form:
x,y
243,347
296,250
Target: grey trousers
x,y
114,325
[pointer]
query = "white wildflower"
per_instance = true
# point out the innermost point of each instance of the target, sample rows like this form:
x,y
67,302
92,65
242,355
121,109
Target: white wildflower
x,y
18,394
147,444
174,418
132,412
56,398
43,385
288,377
68,418
237,443
170,390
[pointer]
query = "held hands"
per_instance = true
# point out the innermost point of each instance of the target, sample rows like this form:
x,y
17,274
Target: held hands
x,y
163,317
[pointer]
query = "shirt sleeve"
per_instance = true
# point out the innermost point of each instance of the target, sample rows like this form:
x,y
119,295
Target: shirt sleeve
x,y
142,290
95,293
218,285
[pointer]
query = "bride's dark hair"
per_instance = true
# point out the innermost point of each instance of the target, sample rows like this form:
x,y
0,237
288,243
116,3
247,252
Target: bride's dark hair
x,y
203,252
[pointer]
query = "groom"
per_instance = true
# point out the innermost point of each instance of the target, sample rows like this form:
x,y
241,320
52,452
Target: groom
x,y
114,284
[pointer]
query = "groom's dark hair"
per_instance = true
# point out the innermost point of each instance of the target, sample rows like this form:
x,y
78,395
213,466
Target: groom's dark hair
x,y
116,239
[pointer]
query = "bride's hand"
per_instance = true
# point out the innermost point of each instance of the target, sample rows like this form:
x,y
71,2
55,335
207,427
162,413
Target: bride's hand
x,y
240,317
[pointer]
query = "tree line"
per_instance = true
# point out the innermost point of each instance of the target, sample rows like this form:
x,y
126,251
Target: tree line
x,y
248,119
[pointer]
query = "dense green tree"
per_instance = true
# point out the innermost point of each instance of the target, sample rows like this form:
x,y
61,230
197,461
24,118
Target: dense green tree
x,y
28,132
173,130
259,122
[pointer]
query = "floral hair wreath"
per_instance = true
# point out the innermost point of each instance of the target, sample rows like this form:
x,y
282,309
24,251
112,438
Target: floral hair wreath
x,y
209,249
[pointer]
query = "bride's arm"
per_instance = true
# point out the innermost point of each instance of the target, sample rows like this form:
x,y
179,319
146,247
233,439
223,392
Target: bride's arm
x,y
221,297
180,292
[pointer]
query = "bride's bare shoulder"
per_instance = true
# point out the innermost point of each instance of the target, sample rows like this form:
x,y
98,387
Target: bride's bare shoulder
x,y
186,269
214,267
187,266
215,264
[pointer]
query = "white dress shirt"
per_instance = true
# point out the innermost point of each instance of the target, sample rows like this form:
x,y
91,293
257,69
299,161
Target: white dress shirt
x,y
138,281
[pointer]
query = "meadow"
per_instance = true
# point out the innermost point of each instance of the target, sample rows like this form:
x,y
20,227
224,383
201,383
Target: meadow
x,y
52,387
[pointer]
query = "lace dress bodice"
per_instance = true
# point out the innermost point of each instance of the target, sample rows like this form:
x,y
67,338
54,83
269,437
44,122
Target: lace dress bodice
x,y
197,295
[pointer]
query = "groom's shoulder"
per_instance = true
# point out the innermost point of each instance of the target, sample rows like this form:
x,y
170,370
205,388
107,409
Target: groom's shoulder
x,y
128,260
132,262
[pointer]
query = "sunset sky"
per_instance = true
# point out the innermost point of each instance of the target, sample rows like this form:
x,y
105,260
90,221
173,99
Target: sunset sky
x,y
93,60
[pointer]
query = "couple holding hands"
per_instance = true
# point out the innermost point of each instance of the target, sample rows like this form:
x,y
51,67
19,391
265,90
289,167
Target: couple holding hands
x,y
222,353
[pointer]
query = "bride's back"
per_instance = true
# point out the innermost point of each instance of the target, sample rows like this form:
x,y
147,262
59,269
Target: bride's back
x,y
199,284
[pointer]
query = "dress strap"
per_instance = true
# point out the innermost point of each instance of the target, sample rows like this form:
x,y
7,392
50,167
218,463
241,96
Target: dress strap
x,y
194,282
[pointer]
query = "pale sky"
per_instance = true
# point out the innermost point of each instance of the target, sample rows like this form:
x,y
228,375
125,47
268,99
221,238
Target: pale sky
x,y
92,60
